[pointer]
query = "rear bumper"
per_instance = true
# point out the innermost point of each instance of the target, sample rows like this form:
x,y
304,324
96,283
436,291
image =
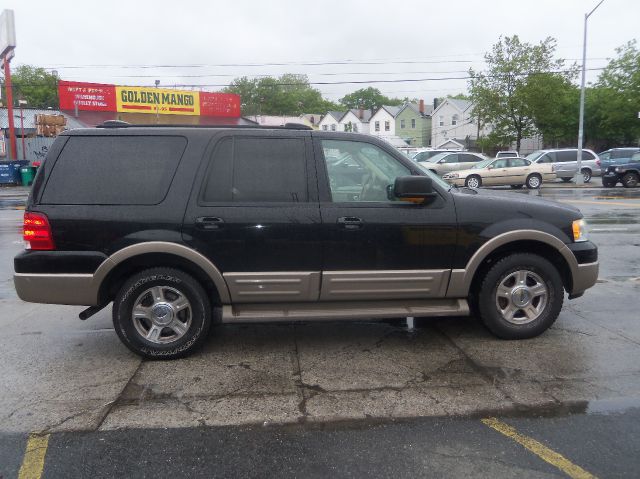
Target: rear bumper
x,y
73,289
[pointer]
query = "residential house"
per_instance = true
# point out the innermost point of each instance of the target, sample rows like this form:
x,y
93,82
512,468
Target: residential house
x,y
383,124
355,120
452,120
330,121
413,124
311,119
275,120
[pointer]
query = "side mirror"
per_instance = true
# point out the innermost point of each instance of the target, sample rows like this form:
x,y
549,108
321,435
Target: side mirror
x,y
413,188
441,161
490,167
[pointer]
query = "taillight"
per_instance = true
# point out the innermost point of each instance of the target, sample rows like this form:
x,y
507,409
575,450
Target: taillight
x,y
598,162
36,232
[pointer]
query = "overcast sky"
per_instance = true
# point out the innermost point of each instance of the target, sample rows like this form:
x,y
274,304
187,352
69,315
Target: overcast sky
x,y
440,39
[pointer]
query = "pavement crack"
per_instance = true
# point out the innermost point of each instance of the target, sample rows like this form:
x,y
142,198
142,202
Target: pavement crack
x,y
297,379
109,406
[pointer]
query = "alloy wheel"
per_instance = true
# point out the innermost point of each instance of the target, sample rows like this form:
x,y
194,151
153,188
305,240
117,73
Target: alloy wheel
x,y
521,297
162,315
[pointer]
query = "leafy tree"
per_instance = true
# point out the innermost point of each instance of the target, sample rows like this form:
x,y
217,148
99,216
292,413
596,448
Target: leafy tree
x,y
368,98
500,95
615,101
288,94
36,85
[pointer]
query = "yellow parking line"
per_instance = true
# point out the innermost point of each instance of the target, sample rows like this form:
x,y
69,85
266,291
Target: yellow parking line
x,y
33,462
540,450
603,203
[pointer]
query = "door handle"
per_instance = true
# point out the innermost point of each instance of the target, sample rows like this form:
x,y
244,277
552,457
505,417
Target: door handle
x,y
350,222
208,222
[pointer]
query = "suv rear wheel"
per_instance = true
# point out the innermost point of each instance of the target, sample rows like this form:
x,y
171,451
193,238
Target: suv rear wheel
x,y
586,175
520,297
162,313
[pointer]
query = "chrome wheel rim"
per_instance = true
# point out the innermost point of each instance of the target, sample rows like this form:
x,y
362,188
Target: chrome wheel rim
x,y
162,315
521,297
534,182
631,181
586,176
473,182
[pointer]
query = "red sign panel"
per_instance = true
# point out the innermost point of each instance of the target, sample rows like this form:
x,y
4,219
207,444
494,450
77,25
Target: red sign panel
x,y
101,97
219,104
86,96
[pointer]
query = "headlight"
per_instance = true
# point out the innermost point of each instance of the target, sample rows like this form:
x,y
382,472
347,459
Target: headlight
x,y
619,170
580,231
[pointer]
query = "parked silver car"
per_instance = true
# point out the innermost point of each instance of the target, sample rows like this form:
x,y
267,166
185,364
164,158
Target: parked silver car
x,y
451,161
565,162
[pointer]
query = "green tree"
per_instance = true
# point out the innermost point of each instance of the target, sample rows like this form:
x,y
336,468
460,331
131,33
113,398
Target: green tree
x,y
553,103
500,95
288,94
615,101
35,85
368,98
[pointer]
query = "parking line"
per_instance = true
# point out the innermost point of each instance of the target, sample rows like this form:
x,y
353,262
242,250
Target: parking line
x,y
33,462
603,203
540,450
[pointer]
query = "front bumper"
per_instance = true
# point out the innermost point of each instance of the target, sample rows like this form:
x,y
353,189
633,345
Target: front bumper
x,y
584,273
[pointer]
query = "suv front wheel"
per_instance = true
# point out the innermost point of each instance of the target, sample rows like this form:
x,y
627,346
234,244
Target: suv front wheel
x,y
520,297
162,313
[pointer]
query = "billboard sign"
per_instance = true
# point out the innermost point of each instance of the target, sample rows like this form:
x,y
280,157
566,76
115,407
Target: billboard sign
x,y
7,32
136,99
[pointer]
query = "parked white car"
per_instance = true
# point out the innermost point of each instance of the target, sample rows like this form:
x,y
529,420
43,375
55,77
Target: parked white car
x,y
451,161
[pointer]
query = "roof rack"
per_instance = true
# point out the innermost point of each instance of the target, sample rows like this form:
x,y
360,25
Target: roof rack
x,y
124,124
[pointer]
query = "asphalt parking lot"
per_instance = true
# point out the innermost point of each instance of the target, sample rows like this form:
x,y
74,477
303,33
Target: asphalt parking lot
x,y
384,398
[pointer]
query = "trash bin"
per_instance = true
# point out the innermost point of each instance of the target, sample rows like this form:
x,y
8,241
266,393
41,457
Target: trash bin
x,y
26,172
7,176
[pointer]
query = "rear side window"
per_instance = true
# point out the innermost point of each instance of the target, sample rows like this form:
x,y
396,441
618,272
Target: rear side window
x,y
114,170
569,155
257,170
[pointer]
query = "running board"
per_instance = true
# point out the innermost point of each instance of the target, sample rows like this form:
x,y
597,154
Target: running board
x,y
331,311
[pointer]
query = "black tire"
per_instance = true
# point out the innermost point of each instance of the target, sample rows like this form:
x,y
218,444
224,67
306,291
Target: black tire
x,y
473,178
630,180
517,187
608,183
488,301
170,282
586,175
565,180
534,181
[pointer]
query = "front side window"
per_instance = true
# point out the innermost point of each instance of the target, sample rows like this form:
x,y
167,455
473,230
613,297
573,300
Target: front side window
x,y
257,170
387,126
453,158
635,158
503,163
364,172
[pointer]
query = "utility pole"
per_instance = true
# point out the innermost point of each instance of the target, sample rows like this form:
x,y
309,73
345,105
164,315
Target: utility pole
x,y
579,178
9,94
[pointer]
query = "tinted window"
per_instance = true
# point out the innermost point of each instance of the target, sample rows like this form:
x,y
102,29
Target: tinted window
x,y
635,158
568,155
114,170
257,170
605,155
451,159
467,158
586,155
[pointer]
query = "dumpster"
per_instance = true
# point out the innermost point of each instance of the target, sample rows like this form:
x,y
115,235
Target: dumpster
x,y
7,173
27,174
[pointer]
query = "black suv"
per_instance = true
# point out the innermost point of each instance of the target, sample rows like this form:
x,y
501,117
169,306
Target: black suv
x,y
180,227
628,174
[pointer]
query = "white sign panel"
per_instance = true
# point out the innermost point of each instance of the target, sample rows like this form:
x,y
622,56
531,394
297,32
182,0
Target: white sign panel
x,y
7,32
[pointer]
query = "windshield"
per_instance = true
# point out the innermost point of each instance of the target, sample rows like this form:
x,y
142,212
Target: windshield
x,y
535,155
483,164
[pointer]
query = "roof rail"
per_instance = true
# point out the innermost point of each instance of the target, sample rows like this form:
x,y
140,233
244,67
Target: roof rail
x,y
124,124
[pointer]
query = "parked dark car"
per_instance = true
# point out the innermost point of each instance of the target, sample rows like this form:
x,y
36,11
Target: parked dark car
x,y
615,157
180,227
628,174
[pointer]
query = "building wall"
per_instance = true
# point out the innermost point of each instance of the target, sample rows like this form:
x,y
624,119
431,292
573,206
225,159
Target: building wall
x,y
464,126
381,116
420,136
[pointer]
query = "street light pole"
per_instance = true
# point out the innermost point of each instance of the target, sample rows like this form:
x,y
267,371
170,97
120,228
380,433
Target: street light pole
x,y
579,178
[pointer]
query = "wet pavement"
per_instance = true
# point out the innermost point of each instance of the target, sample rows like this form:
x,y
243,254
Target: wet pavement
x,y
345,399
